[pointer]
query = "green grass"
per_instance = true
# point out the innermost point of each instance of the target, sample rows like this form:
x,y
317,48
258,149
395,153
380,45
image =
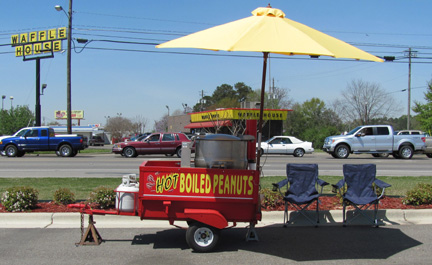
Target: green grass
x,y
83,186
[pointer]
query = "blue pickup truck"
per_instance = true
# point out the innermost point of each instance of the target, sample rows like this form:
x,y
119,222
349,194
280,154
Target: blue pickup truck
x,y
32,139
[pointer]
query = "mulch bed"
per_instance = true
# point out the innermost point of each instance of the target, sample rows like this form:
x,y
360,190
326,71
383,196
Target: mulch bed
x,y
327,203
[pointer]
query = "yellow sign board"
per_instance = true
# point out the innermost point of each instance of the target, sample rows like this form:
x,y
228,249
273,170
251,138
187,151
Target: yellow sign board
x,y
62,114
37,42
238,114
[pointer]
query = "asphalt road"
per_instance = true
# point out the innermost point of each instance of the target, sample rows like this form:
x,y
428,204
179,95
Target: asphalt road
x,y
406,244
110,165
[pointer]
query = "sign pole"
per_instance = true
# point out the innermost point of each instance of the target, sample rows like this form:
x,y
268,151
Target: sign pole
x,y
38,106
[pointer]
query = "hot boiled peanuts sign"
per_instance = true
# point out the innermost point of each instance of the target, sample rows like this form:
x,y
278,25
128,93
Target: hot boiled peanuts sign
x,y
199,184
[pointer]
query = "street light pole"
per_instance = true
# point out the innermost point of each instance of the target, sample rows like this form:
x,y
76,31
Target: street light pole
x,y
69,99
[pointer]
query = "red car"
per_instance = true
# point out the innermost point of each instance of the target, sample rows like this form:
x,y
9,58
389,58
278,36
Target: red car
x,y
155,143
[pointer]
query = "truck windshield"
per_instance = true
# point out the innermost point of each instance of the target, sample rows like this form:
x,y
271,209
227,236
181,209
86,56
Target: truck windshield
x,y
21,133
353,130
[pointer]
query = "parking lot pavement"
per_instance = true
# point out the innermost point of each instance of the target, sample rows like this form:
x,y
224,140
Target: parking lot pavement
x,y
405,244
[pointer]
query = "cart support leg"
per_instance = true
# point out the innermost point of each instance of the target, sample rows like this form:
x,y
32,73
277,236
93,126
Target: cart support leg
x,y
91,236
251,233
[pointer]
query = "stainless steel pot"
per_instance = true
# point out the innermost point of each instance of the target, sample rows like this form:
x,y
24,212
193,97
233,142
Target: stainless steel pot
x,y
221,151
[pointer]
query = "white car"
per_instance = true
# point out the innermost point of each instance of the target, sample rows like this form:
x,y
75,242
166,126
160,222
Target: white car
x,y
286,145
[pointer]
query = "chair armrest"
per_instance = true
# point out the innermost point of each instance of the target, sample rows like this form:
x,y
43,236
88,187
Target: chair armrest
x,y
382,184
322,183
280,184
338,186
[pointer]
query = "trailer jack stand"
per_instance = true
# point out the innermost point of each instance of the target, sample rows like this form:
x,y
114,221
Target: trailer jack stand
x,y
91,236
251,234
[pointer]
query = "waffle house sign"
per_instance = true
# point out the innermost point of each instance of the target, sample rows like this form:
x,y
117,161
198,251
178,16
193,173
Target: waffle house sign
x,y
38,42
239,114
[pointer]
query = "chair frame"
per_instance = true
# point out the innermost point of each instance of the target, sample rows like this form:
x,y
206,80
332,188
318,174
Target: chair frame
x,y
359,209
300,207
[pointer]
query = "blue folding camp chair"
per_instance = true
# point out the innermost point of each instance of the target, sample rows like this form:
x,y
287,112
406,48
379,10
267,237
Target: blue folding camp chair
x,y
361,185
302,182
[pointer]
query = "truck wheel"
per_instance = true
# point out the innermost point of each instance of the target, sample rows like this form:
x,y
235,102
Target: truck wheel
x,y
179,152
65,150
201,237
11,151
342,151
299,152
406,152
129,152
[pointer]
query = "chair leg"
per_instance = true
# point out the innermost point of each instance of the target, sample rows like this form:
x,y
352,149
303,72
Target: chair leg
x,y
344,213
285,215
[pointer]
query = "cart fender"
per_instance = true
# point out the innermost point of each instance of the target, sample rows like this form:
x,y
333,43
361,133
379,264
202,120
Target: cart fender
x,y
206,216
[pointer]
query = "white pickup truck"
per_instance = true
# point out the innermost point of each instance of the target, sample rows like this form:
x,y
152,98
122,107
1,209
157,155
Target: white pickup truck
x,y
375,140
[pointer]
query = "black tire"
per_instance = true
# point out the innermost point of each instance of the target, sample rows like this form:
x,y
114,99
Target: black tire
x,y
179,152
333,155
261,152
406,152
299,152
201,237
129,152
342,151
74,153
11,150
396,155
429,155
20,154
65,150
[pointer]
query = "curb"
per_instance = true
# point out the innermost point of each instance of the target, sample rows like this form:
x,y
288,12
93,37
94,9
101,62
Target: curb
x,y
273,218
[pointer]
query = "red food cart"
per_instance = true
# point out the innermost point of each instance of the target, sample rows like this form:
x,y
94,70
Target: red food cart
x,y
217,195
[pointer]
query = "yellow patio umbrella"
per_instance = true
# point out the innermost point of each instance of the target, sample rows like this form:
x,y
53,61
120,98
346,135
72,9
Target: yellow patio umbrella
x,y
268,31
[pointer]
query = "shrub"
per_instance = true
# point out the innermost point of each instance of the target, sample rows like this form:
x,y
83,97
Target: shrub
x,y
103,196
271,200
64,196
18,199
421,194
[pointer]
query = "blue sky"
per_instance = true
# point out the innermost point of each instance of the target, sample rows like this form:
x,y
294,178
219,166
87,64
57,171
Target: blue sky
x,y
142,80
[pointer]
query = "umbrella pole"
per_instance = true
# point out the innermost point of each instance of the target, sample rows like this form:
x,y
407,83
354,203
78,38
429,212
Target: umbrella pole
x,y
260,123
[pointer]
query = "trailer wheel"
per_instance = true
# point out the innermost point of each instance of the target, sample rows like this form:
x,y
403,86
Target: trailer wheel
x,y
201,237
11,151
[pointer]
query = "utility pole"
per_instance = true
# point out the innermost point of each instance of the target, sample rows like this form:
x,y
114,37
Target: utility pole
x,y
410,54
69,93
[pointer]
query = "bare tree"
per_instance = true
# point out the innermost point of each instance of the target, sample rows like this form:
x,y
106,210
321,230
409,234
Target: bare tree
x,y
363,101
119,126
139,124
